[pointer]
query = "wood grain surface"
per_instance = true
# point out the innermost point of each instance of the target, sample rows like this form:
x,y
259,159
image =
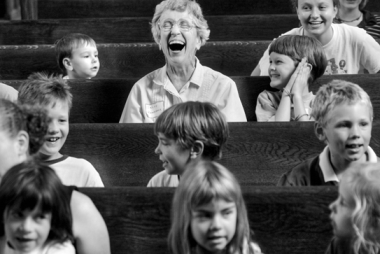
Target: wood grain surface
x,y
140,8
258,153
103,100
284,220
132,60
126,30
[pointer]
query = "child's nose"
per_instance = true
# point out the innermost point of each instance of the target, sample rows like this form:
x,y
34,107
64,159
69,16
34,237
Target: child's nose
x,y
332,206
53,127
26,225
157,150
355,132
216,223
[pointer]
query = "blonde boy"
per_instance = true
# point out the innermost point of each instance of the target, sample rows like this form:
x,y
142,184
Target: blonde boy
x,y
77,56
52,93
343,116
187,132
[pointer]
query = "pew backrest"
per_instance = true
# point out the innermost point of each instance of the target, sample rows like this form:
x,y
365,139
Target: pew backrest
x,y
103,100
284,220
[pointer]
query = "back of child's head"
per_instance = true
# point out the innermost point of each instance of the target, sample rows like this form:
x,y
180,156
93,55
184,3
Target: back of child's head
x,y
32,185
42,89
204,182
297,47
195,121
64,46
336,93
34,121
364,181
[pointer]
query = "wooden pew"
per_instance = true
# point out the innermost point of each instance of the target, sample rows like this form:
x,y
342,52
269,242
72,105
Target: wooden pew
x,y
284,220
141,8
103,100
257,153
137,29
133,60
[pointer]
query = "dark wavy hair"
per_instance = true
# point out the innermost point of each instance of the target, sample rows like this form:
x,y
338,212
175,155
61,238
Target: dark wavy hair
x,y
32,184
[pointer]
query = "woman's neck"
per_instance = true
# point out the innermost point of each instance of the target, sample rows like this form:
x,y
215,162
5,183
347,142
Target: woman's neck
x,y
323,38
179,75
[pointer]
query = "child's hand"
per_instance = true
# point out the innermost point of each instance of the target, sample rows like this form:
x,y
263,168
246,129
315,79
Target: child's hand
x,y
300,77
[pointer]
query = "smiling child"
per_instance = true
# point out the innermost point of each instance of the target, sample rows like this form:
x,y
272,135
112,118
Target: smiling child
x,y
295,62
187,132
349,50
52,94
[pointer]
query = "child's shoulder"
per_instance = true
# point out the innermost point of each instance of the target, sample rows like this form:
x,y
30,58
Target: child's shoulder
x,y
59,248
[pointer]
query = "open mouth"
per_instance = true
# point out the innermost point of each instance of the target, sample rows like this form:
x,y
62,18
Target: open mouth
x,y
353,146
176,45
52,139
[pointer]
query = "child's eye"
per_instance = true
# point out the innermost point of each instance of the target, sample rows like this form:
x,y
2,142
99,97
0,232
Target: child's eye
x,y
322,7
278,62
305,8
364,124
62,120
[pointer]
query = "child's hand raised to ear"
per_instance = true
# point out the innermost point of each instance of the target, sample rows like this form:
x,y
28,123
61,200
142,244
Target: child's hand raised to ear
x,y
299,79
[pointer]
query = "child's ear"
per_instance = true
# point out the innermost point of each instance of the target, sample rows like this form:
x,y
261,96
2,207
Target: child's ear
x,y
197,150
67,63
319,132
22,143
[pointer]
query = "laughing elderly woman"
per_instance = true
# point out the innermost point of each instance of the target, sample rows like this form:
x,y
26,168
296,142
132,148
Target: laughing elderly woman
x,y
180,30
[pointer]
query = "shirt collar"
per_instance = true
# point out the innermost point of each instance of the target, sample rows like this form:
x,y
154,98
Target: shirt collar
x,y
327,169
197,78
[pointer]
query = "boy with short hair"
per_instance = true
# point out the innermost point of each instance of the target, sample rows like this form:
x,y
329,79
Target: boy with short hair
x,y
343,116
52,93
187,132
77,56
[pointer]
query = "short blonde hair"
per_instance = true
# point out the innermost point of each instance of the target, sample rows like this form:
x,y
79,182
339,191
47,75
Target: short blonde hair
x,y
335,93
181,5
202,183
364,181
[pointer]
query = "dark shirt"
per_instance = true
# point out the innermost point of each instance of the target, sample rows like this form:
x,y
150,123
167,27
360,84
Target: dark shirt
x,y
308,173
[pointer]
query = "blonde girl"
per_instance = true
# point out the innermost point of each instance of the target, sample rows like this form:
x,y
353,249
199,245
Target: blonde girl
x,y
355,215
209,214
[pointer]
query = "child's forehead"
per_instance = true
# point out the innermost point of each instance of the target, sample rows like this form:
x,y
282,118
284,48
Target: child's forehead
x,y
216,204
300,2
338,109
58,105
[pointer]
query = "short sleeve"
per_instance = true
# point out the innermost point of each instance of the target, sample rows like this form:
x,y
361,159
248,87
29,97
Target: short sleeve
x,y
265,109
93,178
233,108
370,52
132,109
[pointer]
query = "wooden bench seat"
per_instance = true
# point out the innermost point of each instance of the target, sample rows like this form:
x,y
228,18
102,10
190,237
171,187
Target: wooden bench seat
x,y
137,29
258,153
103,100
145,8
284,220
133,60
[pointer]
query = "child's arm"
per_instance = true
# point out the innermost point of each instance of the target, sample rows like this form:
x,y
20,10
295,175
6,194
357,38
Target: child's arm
x,y
89,228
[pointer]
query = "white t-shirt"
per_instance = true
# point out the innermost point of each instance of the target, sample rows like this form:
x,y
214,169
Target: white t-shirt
x,y
74,171
163,179
349,51
8,92
51,248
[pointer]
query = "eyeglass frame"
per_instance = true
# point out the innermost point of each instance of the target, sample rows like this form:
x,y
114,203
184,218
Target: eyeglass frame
x,y
176,23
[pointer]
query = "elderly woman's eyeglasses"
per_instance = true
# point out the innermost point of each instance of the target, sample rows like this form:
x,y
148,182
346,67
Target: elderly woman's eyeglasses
x,y
183,25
